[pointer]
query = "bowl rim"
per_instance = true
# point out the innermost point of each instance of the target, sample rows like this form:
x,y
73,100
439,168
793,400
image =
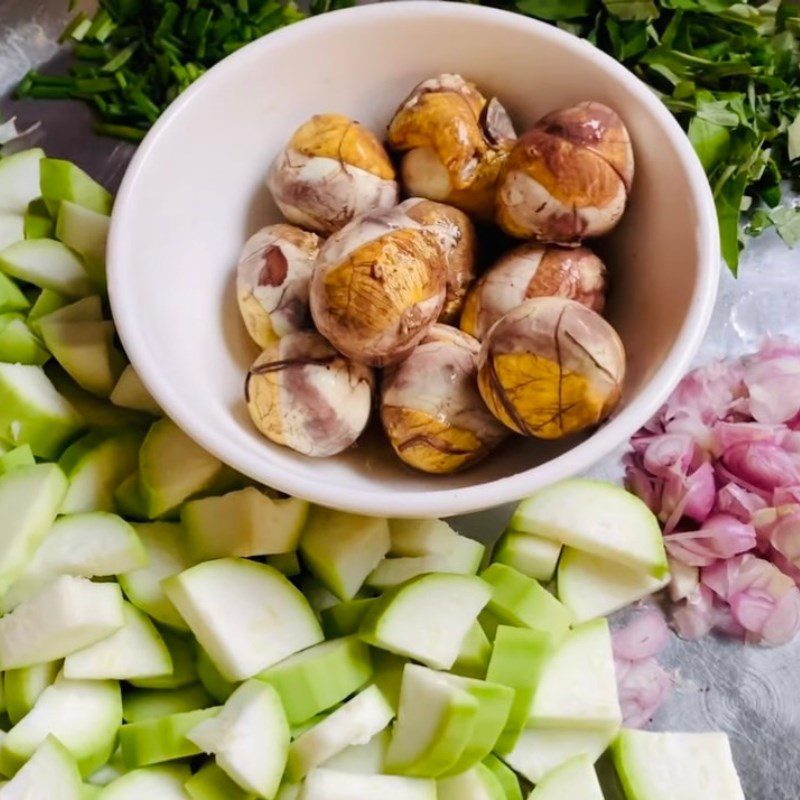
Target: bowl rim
x,y
446,501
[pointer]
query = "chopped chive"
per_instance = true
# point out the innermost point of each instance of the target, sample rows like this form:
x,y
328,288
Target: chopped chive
x,y
76,28
145,105
102,25
125,33
24,86
133,57
201,19
194,71
127,132
80,31
90,52
95,85
81,70
120,59
171,11
270,7
50,80
48,92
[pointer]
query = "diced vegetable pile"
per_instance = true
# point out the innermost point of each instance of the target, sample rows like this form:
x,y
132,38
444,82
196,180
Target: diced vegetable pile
x,y
172,631
719,465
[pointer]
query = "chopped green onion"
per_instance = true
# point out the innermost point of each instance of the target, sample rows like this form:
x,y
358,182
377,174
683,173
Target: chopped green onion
x,y
102,27
127,132
90,52
77,28
48,93
145,105
95,85
133,57
120,59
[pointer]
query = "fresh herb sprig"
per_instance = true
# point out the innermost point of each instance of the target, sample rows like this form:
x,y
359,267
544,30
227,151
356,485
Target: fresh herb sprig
x,y
730,72
134,57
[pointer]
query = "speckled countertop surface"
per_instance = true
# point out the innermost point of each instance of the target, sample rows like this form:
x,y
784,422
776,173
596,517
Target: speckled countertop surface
x,y
751,693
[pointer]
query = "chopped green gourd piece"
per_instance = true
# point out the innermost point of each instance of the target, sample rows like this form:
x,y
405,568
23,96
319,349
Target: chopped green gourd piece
x,y
163,782
136,650
154,741
141,704
249,738
435,723
246,616
166,556
21,456
67,615
88,545
83,715
23,686
172,468
342,549
318,678
357,720
521,601
19,180
86,351
38,223
48,264
678,766
30,498
95,466
33,412
11,296
18,343
51,773
85,231
428,618
62,180
211,783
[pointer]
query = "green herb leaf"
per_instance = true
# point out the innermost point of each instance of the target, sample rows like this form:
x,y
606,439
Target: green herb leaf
x,y
787,222
554,10
632,9
759,222
729,203
710,141
793,139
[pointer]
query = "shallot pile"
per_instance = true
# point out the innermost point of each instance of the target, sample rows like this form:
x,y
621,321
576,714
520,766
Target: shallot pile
x,y
719,464
643,684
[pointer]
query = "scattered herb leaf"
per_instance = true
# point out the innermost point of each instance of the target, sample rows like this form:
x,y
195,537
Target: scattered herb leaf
x,y
787,223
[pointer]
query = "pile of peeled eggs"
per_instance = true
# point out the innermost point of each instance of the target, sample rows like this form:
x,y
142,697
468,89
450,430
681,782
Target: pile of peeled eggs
x,y
362,301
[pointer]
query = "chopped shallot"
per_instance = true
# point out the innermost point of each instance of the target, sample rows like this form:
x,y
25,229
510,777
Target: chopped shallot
x,y
643,685
646,636
719,464
720,536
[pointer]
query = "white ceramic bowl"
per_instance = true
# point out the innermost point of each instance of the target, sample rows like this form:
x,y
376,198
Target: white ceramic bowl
x,y
195,191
